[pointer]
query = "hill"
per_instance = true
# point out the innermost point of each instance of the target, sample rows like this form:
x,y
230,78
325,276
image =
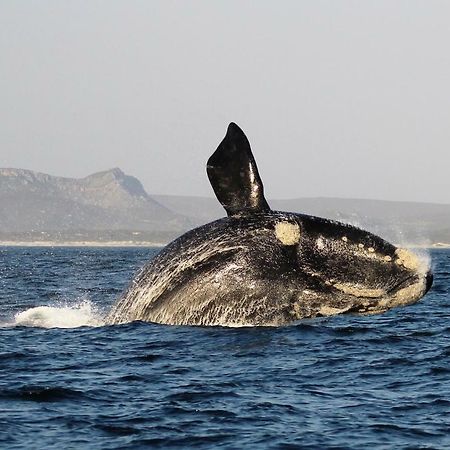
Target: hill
x,y
111,206
32,202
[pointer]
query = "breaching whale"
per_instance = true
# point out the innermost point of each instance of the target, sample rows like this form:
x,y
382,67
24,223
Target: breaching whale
x,y
264,267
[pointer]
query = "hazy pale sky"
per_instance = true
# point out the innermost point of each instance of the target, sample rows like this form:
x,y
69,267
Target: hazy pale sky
x,y
338,98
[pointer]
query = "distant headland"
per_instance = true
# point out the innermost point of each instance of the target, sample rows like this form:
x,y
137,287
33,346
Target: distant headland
x,y
111,208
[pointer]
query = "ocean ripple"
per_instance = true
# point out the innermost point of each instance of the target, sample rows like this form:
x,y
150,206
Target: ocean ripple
x,y
345,382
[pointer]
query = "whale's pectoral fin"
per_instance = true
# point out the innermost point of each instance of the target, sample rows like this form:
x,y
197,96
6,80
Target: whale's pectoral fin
x,y
234,176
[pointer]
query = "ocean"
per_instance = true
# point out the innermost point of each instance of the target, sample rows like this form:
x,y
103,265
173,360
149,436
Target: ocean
x,y
343,382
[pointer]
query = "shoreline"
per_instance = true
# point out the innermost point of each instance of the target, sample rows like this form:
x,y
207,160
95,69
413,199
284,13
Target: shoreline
x,y
131,244
80,244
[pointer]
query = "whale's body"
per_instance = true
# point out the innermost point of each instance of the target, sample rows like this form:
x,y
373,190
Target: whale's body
x,y
263,267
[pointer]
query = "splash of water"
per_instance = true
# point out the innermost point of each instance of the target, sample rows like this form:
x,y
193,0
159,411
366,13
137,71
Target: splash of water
x,y
80,314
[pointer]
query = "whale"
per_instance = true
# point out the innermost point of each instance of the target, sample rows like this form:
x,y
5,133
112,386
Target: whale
x,y
259,267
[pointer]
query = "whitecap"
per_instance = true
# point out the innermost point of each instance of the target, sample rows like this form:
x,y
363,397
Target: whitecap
x,y
77,315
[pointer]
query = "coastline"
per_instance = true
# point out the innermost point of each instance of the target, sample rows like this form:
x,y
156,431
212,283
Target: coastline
x,y
49,243
80,244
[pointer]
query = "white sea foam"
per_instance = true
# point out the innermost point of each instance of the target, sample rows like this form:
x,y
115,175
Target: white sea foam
x,y
76,315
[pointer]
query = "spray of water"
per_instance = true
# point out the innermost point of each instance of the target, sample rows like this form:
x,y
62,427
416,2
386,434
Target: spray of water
x,y
80,314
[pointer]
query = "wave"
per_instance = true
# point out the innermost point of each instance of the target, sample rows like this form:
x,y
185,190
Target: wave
x,y
81,314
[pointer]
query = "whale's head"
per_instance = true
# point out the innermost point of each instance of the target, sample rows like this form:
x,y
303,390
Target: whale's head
x,y
351,270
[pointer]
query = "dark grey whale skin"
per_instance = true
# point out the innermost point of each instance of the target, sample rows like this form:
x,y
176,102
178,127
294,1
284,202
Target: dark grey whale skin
x,y
236,272
267,268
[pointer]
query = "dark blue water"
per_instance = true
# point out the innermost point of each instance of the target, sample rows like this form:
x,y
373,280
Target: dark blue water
x,y
344,382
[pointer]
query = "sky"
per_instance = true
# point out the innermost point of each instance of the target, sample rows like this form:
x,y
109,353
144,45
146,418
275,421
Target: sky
x,y
338,98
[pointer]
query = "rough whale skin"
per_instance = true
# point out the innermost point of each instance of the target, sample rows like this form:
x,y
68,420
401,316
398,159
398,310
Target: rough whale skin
x,y
258,267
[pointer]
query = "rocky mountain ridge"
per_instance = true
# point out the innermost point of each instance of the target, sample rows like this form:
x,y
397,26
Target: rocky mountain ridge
x,y
111,205
108,200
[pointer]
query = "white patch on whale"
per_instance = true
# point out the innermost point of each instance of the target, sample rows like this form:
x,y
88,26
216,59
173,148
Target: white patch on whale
x,y
287,233
319,243
410,260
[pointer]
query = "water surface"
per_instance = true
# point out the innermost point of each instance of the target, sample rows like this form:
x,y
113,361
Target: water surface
x,y
347,382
